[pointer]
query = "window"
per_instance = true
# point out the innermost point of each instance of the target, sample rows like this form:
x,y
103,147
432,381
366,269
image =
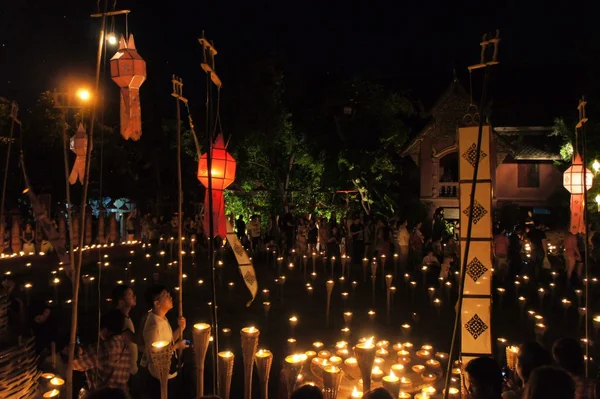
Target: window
x,y
528,175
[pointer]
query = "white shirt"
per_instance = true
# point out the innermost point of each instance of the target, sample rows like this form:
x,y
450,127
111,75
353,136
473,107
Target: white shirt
x,y
155,329
133,349
403,236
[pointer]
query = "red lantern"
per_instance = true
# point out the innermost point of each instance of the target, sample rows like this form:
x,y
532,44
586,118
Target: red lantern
x,y
128,70
78,144
573,180
223,174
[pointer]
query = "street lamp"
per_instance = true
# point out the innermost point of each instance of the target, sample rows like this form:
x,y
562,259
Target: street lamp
x,y
598,201
596,166
84,94
111,38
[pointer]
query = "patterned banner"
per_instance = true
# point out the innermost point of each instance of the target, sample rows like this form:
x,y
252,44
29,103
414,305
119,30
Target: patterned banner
x,y
244,262
476,333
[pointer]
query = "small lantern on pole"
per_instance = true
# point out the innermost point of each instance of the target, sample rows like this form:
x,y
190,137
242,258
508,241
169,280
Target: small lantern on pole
x,y
573,180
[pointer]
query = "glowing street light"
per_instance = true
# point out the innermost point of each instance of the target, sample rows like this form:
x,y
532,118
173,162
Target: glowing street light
x,y
596,166
111,38
598,201
84,94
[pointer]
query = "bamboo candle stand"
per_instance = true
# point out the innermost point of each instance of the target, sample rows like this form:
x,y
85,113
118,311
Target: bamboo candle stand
x,y
225,372
161,354
249,338
263,360
201,336
293,365
365,355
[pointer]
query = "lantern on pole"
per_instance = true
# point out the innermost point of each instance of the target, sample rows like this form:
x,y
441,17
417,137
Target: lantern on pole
x,y
78,145
128,70
222,175
573,180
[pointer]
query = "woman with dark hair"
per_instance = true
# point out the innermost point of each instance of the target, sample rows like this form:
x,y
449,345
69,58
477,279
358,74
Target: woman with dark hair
x,y
549,382
483,379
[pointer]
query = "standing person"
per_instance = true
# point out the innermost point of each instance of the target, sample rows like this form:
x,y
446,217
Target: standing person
x,y
131,225
568,354
357,231
301,237
156,328
539,248
124,300
28,236
255,231
240,227
403,244
111,363
312,237
572,255
500,251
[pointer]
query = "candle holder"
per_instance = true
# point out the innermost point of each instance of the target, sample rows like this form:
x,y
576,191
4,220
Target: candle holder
x,y
160,355
291,343
305,266
263,359
266,308
347,318
201,337
332,376
249,337
293,365
365,355
382,259
329,286
388,285
225,372
365,264
392,384
511,357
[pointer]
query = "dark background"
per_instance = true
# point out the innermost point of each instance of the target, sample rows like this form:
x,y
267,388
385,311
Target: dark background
x,y
546,54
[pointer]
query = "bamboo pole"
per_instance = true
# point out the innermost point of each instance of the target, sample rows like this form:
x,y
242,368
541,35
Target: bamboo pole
x,y
13,115
86,181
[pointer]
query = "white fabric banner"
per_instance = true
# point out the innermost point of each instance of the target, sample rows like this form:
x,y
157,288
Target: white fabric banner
x,y
244,262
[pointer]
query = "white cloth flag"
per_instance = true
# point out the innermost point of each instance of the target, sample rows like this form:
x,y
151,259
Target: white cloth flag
x,y
244,262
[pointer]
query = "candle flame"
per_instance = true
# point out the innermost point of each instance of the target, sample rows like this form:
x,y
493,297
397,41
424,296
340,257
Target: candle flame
x,y
369,342
160,344
392,375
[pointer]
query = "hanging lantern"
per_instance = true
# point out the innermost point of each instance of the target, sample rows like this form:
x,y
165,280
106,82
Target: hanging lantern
x,y
78,145
223,174
128,70
574,183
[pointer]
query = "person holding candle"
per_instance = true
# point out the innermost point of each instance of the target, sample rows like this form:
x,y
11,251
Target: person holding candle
x,y
531,355
156,328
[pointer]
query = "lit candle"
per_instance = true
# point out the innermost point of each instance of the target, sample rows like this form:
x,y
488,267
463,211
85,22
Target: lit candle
x,y
341,345
441,356
335,360
226,354
324,354
378,361
51,394
428,377
47,376
433,364
405,383
160,344
343,353
423,354
382,352
453,392
418,368
262,353
310,354
404,360
427,348
356,393
383,344
392,384
57,381
295,359
317,345
250,331
407,346
376,374
404,395
403,353
351,362
397,346
397,368
429,390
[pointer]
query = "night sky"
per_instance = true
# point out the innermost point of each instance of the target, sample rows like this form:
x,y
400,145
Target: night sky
x,y
406,45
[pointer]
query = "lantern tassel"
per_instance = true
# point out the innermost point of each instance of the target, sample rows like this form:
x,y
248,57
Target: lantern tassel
x,y
78,170
218,214
577,209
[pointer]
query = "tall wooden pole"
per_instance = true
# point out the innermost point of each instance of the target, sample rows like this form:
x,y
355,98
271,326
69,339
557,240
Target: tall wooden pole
x,y
208,65
14,110
178,94
86,180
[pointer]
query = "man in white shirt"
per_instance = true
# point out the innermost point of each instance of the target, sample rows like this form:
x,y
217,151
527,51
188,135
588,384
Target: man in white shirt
x,y
156,327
